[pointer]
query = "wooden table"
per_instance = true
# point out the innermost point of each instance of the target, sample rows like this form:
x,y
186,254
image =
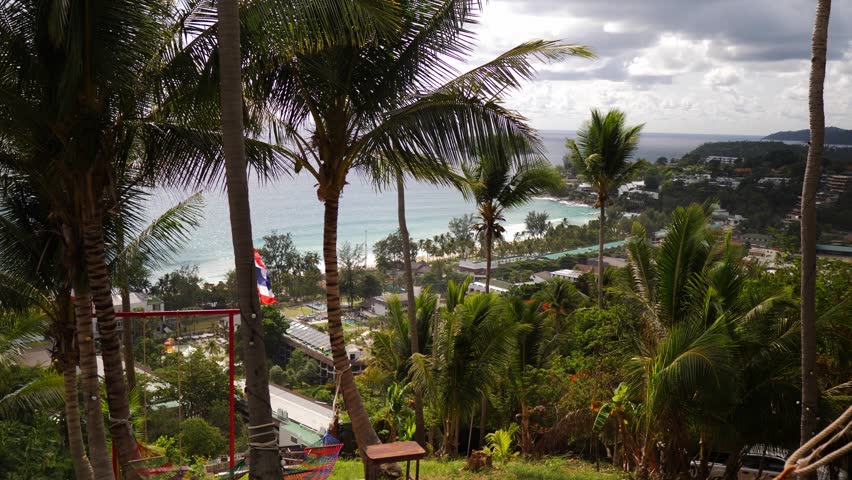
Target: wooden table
x,y
376,455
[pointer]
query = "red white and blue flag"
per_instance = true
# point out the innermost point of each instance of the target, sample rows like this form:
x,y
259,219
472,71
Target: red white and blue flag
x,y
264,285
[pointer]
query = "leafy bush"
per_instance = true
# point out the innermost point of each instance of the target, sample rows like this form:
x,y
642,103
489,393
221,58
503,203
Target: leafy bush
x,y
200,439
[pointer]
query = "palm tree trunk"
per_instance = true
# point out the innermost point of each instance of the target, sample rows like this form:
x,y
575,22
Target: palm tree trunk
x,y
265,463
127,326
419,421
600,252
810,393
116,388
488,238
99,454
365,435
82,467
483,407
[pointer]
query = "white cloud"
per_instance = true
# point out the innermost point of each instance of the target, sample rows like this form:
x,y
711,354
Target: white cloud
x,y
720,67
672,55
723,76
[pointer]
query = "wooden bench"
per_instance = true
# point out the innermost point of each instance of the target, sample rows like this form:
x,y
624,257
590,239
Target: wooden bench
x,y
376,455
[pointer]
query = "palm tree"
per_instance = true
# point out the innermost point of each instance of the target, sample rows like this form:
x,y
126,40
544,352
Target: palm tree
x,y
389,102
473,347
496,185
816,113
143,108
150,246
392,350
530,352
697,317
601,156
265,462
17,329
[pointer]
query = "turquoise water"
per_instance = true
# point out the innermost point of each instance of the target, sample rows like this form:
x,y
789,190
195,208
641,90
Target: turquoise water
x,y
290,205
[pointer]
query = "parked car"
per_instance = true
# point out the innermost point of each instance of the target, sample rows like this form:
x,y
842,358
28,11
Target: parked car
x,y
754,465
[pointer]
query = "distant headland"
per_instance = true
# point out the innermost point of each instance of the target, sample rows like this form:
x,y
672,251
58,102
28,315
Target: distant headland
x,y
833,136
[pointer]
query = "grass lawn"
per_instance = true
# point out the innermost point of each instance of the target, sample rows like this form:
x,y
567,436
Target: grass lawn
x,y
543,469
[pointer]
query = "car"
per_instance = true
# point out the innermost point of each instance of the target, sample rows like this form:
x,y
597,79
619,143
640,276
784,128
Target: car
x,y
756,464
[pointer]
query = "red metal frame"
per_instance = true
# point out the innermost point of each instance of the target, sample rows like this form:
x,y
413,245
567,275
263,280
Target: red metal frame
x,y
230,312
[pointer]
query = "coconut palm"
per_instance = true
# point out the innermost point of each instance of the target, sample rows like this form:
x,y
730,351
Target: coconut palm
x,y
117,85
392,350
265,463
151,246
601,156
495,184
473,347
530,353
697,317
17,329
816,113
393,102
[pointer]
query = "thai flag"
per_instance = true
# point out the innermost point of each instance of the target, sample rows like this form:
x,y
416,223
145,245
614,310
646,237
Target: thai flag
x,y
264,286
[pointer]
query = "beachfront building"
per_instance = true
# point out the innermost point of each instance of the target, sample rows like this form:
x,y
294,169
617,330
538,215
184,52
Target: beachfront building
x,y
572,275
497,286
476,269
608,262
379,305
316,345
540,277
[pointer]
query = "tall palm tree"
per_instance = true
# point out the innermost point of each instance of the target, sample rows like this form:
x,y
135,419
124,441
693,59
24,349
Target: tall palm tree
x,y
601,156
495,184
114,86
816,113
265,462
390,101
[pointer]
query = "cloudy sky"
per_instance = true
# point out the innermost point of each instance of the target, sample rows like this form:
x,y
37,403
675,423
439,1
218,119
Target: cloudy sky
x,y
681,66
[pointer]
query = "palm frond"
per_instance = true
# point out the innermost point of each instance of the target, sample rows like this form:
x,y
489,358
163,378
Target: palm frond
x,y
42,393
166,234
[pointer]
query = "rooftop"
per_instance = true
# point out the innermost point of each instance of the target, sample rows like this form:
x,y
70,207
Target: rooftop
x,y
309,336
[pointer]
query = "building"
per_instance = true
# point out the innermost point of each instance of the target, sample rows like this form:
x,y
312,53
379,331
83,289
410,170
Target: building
x,y
608,262
476,269
753,239
839,183
497,286
727,161
764,257
776,181
379,305
315,344
301,420
572,275
834,250
420,268
584,268
540,277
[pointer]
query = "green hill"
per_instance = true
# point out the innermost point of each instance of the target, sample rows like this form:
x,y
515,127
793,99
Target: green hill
x,y
833,136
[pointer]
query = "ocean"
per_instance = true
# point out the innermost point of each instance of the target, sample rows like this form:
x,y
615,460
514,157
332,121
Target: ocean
x,y
290,205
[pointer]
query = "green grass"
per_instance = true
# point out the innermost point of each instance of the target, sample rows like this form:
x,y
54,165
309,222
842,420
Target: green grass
x,y
542,469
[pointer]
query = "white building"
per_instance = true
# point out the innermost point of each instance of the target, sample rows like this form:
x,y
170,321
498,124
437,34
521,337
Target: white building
x,y
572,275
728,161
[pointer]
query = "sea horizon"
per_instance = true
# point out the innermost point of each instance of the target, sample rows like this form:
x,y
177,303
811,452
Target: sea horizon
x,y
290,205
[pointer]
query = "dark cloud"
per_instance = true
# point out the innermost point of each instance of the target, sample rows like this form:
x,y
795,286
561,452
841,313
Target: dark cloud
x,y
762,30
